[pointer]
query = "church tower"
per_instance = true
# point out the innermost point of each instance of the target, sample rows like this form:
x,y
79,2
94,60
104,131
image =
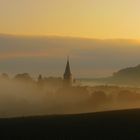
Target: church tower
x,y
68,75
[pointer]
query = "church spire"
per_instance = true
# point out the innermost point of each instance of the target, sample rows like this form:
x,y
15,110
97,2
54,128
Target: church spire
x,y
67,70
67,73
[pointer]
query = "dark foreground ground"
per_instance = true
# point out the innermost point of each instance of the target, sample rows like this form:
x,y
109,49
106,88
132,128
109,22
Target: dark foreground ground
x,y
105,125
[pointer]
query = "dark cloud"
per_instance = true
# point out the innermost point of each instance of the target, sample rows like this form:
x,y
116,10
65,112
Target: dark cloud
x,y
47,55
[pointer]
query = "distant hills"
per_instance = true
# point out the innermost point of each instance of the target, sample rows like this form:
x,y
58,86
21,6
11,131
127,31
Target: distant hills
x,y
126,76
130,72
129,75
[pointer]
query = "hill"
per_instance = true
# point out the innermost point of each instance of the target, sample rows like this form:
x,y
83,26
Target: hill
x,y
124,124
128,76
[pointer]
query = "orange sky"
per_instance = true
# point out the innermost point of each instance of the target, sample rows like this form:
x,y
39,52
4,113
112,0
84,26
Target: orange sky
x,y
82,18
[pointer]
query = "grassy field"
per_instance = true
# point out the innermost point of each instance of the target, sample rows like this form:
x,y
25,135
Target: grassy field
x,y
124,124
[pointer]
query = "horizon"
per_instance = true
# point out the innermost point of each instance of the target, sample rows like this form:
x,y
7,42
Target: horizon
x,y
69,36
88,57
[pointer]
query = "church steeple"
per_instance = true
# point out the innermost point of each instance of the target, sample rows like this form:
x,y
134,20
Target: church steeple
x,y
67,73
67,70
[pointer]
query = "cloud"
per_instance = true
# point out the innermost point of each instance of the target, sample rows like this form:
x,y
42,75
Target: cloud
x,y
89,57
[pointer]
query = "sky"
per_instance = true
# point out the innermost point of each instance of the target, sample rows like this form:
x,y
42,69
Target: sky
x,y
100,36
89,58
80,18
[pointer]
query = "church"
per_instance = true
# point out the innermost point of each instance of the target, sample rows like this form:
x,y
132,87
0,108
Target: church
x,y
66,81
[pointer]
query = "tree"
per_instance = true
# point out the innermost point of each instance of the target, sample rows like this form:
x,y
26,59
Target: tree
x,y
23,77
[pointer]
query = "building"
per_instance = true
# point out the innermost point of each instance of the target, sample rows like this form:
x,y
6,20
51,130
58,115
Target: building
x,y
68,80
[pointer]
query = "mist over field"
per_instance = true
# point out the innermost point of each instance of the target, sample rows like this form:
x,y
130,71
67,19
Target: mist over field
x,y
29,98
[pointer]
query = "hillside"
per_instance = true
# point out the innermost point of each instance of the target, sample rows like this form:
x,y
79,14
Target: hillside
x,y
123,124
127,76
130,76
132,72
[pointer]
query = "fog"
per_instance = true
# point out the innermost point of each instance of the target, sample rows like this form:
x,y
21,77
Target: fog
x,y
18,98
30,98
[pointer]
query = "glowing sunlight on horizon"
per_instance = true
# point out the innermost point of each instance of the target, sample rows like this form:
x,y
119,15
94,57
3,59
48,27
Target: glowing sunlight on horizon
x,y
82,18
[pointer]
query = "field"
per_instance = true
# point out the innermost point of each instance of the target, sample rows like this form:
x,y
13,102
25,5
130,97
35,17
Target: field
x,y
124,124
